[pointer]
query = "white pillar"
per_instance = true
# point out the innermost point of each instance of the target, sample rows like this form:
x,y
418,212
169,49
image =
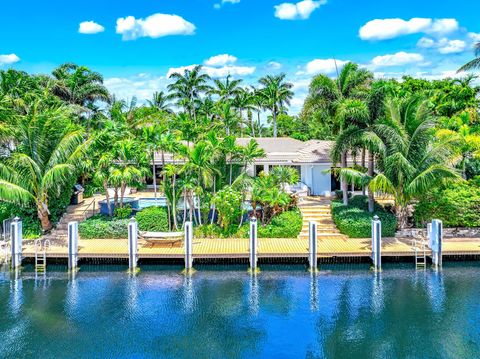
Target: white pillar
x,y
188,228
132,244
72,245
16,235
312,245
436,238
266,169
253,244
377,243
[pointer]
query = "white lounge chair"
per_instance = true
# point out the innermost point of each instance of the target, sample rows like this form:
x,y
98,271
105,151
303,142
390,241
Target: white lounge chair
x,y
153,238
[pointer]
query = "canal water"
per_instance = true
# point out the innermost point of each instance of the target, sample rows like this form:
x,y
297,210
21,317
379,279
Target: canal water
x,y
345,311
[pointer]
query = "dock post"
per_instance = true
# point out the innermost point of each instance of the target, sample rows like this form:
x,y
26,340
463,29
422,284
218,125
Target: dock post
x,y
132,244
312,245
253,258
436,237
72,245
17,238
377,243
188,246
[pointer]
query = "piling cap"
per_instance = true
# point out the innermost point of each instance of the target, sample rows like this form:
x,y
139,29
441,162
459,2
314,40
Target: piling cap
x,y
375,218
133,219
253,219
16,219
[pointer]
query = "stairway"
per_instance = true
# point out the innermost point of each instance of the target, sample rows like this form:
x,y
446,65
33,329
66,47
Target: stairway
x,y
318,209
73,213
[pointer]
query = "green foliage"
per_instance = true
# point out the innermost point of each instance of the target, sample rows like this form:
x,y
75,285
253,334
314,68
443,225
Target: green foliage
x,y
457,205
153,219
354,220
228,203
99,226
123,212
31,225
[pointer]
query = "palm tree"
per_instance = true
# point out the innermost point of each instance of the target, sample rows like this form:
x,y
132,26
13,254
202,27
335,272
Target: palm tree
x,y
154,141
344,101
226,90
160,102
229,116
187,88
413,161
78,85
47,153
475,63
276,93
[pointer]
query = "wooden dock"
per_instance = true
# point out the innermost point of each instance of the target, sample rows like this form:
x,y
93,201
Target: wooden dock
x,y
230,248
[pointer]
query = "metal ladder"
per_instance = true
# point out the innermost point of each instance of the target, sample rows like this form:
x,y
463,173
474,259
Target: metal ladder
x,y
41,259
420,255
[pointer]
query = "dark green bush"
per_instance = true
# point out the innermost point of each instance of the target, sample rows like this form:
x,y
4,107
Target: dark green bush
x,y
100,226
123,212
457,205
339,194
355,221
285,225
28,215
154,219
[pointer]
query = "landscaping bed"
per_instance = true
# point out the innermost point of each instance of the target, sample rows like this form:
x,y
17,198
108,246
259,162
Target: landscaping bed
x,y
355,221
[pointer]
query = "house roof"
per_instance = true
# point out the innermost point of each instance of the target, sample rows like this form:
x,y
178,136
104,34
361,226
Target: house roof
x,y
280,150
289,150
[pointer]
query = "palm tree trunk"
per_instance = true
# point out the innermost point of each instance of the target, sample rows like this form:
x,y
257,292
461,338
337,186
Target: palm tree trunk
x,y
274,116
199,211
154,176
371,198
214,192
107,198
122,193
174,204
363,166
42,213
343,180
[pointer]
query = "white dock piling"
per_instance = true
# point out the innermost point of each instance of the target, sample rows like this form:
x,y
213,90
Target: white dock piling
x,y
17,238
72,245
188,246
253,245
312,245
435,240
132,244
377,243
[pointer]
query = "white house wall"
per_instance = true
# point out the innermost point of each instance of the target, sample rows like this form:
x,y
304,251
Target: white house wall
x,y
316,179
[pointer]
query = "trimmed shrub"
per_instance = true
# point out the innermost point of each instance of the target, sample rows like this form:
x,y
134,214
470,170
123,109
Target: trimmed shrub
x,y
100,226
355,221
153,219
285,225
123,212
457,205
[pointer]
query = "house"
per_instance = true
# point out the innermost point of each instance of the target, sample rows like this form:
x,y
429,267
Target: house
x,y
310,158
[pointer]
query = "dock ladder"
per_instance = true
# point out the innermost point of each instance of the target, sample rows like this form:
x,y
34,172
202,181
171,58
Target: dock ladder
x,y
420,255
41,255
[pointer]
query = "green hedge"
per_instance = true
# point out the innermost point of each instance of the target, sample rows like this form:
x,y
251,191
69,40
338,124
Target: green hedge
x,y
100,226
355,221
154,219
457,205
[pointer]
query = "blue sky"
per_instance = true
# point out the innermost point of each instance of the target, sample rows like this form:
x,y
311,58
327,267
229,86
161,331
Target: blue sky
x,y
136,44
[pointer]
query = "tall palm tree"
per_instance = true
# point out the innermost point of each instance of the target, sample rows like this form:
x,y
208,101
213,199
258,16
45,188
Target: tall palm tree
x,y
475,63
160,102
344,100
153,140
229,116
227,89
414,161
276,94
48,150
188,87
78,85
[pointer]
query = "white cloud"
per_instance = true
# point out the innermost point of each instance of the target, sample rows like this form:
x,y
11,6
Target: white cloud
x,y
273,65
90,27
398,59
475,37
219,5
299,11
220,60
444,45
383,29
141,86
327,66
216,72
8,59
154,26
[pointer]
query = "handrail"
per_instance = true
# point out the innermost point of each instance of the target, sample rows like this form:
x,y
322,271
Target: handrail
x,y
84,213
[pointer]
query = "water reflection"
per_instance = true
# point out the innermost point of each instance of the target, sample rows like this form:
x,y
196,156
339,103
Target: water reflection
x,y
313,291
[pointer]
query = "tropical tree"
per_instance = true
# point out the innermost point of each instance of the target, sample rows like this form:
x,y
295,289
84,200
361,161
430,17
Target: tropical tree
x,y
414,160
159,101
475,63
227,89
78,85
275,94
188,87
48,150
